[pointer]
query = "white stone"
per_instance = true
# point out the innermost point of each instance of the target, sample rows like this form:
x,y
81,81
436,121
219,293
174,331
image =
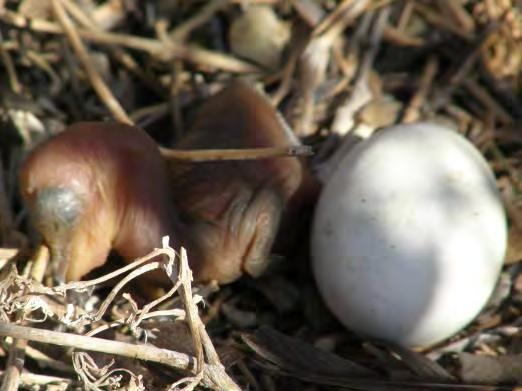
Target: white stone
x,y
409,235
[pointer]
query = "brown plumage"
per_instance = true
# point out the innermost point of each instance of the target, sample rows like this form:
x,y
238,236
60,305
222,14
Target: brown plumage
x,y
102,186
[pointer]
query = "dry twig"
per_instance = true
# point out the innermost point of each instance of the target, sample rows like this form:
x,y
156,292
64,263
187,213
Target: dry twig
x,y
208,59
211,374
412,112
236,154
96,80
16,359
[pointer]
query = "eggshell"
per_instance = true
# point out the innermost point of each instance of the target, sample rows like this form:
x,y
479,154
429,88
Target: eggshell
x,y
409,235
259,35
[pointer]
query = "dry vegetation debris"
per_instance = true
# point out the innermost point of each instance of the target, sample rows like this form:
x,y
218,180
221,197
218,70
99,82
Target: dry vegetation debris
x,y
336,70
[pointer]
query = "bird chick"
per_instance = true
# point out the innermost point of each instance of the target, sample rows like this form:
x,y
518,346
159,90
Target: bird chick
x,y
102,186
96,187
233,209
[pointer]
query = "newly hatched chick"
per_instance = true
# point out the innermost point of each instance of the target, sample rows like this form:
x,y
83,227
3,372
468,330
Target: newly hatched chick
x,y
233,208
102,186
94,187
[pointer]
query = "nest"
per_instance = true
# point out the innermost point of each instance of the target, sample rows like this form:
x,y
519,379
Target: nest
x,y
333,69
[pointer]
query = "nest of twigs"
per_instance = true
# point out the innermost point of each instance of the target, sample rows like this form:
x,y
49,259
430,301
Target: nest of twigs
x,y
333,69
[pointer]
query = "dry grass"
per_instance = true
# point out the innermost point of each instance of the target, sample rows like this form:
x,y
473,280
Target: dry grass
x,y
350,67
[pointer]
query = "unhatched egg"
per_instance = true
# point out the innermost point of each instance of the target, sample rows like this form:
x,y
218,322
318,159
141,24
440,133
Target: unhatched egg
x,y
409,235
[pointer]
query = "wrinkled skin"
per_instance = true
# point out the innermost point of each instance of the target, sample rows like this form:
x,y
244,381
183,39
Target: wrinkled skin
x,y
234,208
102,186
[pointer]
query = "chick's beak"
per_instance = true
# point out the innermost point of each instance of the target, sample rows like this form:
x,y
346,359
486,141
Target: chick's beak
x,y
55,211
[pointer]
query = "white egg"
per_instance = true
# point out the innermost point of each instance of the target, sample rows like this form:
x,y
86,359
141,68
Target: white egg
x,y
409,235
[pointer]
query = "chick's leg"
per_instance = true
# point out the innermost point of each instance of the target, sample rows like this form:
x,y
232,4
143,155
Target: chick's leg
x,y
258,229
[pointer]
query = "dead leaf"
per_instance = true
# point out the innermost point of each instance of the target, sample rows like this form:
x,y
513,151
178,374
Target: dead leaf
x,y
490,369
514,249
294,355
422,366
